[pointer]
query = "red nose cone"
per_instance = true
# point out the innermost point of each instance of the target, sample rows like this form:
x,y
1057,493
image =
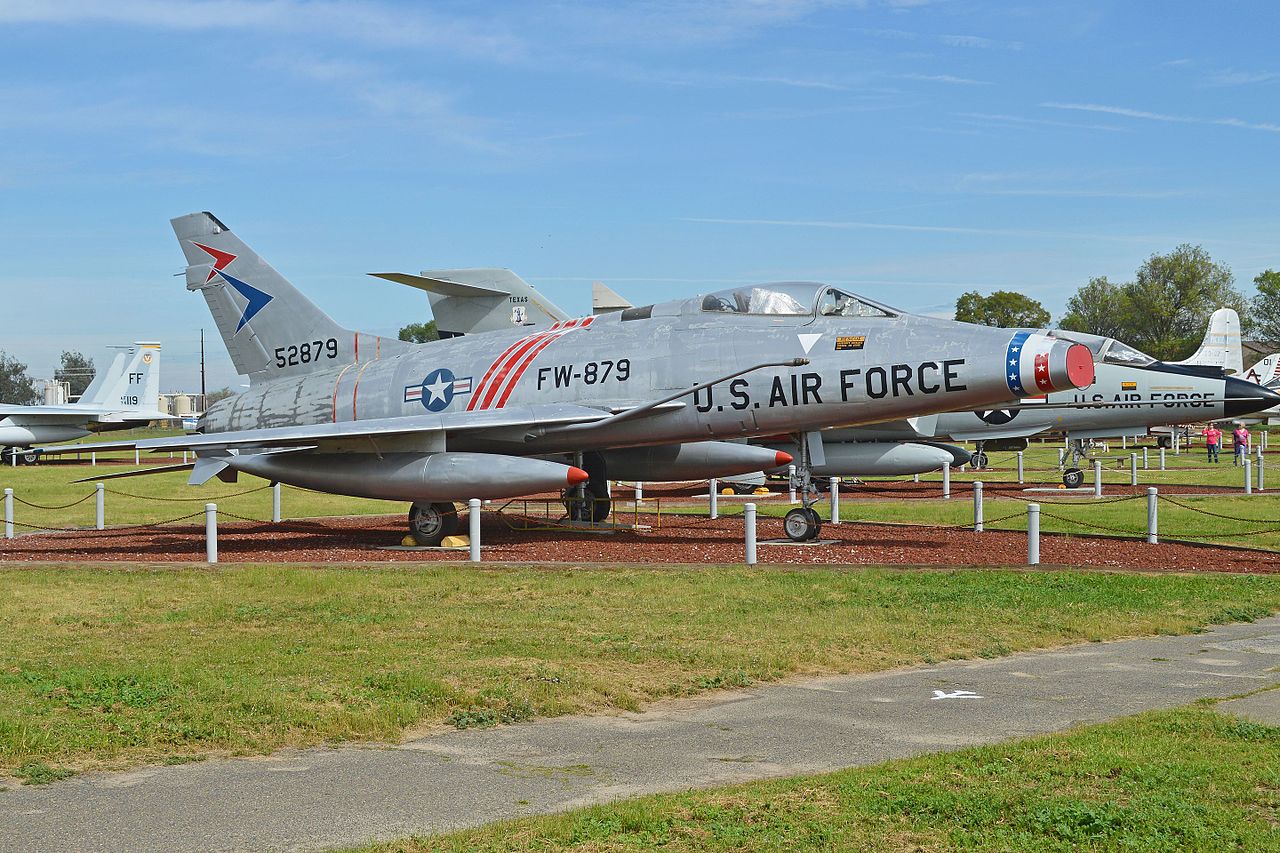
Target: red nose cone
x,y
576,476
783,458
1080,366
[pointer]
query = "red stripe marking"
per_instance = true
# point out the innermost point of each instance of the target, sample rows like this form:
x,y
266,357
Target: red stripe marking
x,y
491,390
511,385
357,346
337,382
479,389
519,371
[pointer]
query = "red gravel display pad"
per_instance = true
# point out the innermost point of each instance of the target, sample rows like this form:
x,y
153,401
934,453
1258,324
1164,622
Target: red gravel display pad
x,y
679,540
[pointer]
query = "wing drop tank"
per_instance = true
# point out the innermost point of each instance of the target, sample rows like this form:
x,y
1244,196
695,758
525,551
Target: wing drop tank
x,y
443,476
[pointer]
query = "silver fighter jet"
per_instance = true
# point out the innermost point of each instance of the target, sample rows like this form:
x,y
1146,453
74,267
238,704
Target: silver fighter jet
x,y
499,414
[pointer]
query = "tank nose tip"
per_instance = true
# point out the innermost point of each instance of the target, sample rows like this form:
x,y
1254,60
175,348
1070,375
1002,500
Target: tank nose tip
x,y
576,476
783,458
1243,397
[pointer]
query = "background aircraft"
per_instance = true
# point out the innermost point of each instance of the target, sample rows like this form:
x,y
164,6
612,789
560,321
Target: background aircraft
x,y
485,415
122,396
1132,392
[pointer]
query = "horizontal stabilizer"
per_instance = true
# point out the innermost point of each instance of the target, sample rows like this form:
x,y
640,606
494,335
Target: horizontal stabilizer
x,y
141,472
442,286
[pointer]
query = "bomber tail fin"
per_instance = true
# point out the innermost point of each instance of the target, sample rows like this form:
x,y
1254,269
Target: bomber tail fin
x,y
1221,346
470,301
270,329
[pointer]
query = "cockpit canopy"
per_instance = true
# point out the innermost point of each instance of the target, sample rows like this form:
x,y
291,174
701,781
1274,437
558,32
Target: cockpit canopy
x,y
1108,350
793,299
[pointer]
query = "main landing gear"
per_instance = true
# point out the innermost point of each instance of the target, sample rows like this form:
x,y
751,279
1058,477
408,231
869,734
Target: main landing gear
x,y
430,523
803,524
1072,475
590,501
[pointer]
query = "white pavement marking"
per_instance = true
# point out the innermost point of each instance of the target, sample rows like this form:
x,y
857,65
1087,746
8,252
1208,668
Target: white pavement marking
x,y
954,694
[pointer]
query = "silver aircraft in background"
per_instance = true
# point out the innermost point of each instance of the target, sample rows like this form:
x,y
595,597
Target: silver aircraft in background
x,y
122,396
658,391
1132,393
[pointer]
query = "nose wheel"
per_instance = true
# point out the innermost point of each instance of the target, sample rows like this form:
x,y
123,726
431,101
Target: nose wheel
x,y
802,524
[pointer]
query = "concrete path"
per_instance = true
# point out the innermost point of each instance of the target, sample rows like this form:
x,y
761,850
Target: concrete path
x,y
330,797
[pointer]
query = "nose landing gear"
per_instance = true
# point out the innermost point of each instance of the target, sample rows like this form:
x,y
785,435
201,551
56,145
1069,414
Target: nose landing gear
x,y
803,524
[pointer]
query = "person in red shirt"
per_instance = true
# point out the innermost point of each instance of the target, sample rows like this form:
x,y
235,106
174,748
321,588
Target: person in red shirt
x,y
1212,441
1241,439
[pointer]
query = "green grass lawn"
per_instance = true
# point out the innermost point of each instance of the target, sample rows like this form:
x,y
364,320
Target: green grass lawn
x,y
1186,779
112,666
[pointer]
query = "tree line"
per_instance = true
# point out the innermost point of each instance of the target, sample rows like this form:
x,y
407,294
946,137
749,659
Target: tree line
x,y
1163,311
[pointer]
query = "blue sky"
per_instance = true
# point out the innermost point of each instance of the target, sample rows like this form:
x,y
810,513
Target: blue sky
x,y
909,149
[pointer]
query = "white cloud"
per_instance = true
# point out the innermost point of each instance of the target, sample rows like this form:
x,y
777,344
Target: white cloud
x,y
371,22
1165,117
1003,120
943,78
927,229
1229,77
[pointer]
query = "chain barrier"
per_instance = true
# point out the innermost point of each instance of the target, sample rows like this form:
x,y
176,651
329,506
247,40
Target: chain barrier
x,y
108,531
60,506
204,498
1180,505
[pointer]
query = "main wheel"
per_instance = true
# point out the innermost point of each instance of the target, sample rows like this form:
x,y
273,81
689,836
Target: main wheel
x,y
978,460
30,457
429,524
1165,441
1073,478
802,524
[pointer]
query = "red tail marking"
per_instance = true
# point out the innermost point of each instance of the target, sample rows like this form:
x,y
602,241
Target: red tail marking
x,y
511,385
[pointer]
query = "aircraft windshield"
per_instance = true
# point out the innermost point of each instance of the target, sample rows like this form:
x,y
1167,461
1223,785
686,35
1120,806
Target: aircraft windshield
x,y
1118,353
837,303
776,299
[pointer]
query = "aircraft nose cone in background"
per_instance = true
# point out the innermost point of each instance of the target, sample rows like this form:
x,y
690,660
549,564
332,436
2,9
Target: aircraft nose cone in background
x,y
1244,398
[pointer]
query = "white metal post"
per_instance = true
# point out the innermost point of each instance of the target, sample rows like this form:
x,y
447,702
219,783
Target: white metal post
x,y
1261,482
211,533
1033,534
835,500
1146,463
1177,443
8,513
1162,459
946,481
13,457
749,517
473,529
1248,475
639,492
1097,478
712,503
1124,442
137,458
791,483
1133,469
99,506
93,459
1152,520
1020,478
275,502
977,506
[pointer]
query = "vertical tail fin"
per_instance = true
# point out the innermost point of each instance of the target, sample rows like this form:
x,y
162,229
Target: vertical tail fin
x,y
135,388
95,392
1221,346
270,329
1267,370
